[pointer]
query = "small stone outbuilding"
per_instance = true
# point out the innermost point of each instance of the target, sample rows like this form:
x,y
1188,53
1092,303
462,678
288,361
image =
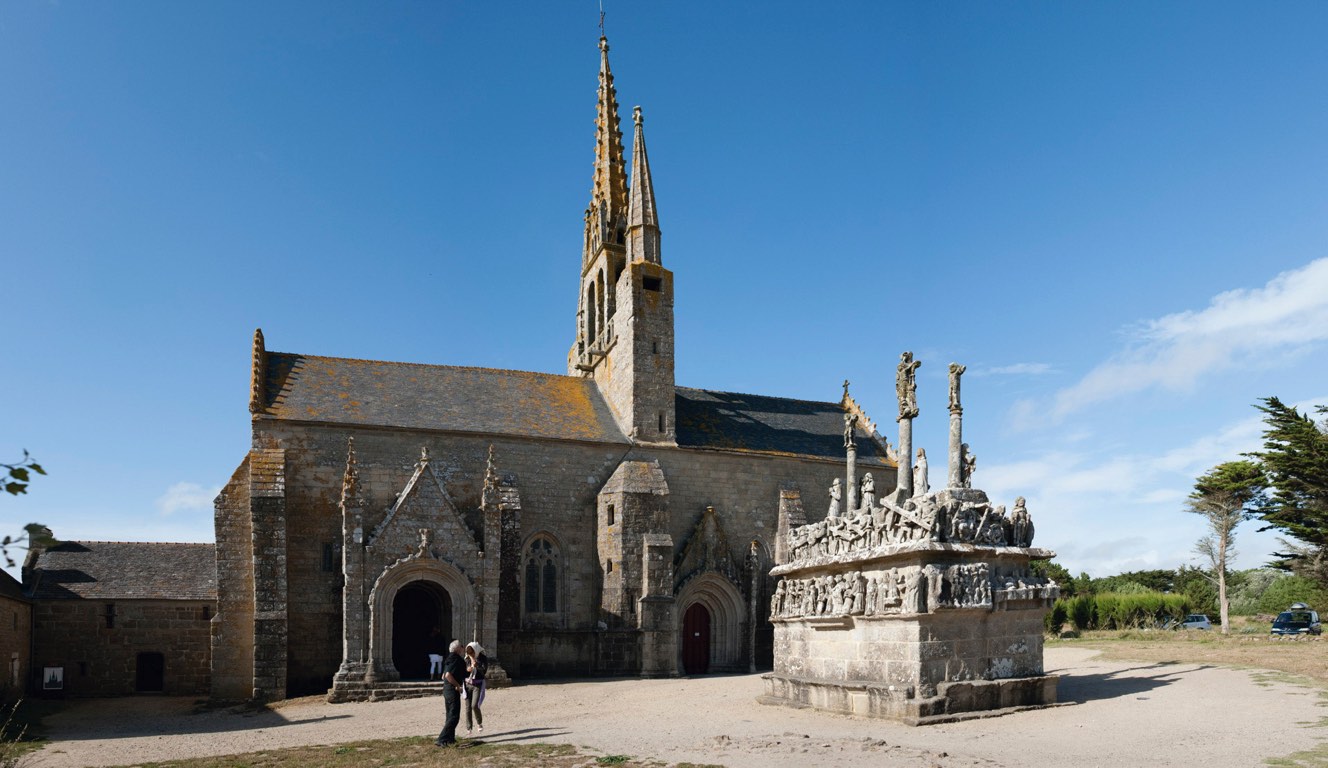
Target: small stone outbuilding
x,y
15,638
117,618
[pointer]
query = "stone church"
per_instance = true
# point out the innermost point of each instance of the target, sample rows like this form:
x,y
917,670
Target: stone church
x,y
602,522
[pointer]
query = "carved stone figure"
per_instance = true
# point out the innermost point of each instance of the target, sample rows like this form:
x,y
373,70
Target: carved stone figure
x,y
920,484
777,599
956,370
963,527
932,578
1021,525
906,386
868,494
426,541
968,467
836,492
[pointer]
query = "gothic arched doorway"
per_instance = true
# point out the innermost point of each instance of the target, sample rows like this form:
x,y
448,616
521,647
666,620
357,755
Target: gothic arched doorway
x,y
417,610
696,640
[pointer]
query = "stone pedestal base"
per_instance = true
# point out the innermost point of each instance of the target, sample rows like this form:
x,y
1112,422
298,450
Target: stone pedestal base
x,y
953,701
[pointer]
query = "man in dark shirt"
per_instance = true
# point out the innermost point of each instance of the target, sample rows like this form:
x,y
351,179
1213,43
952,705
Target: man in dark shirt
x,y
454,671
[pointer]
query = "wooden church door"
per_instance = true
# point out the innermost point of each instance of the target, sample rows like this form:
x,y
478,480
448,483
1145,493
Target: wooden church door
x,y
696,640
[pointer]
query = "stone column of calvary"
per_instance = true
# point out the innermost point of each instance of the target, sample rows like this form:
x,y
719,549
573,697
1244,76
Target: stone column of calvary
x,y
906,391
956,473
851,446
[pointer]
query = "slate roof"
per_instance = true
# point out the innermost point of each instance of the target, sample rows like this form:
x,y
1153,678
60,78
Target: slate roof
x,y
442,397
337,390
732,421
123,570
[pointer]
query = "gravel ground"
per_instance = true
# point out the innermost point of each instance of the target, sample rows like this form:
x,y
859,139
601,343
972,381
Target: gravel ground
x,y
1119,713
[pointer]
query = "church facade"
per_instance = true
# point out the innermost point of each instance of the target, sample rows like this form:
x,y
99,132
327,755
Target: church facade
x,y
602,522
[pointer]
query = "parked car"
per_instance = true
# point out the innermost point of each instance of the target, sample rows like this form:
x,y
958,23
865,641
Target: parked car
x,y
1297,620
1196,621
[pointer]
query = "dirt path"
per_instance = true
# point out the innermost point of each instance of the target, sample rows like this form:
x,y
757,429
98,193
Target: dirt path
x,y
1125,713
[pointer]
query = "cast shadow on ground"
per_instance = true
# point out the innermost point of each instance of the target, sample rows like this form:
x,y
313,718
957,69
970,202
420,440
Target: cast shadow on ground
x,y
524,734
128,721
1082,688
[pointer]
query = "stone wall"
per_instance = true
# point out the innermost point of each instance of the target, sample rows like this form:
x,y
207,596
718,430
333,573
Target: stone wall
x,y
101,660
558,482
233,626
15,647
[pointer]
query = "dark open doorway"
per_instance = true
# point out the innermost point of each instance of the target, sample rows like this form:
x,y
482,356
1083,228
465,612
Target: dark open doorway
x,y
696,640
150,673
417,610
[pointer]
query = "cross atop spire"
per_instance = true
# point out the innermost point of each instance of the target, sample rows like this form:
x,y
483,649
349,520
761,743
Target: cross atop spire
x,y
642,218
607,214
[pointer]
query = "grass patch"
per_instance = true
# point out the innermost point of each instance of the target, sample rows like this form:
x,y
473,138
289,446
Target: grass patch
x,y
1310,758
412,751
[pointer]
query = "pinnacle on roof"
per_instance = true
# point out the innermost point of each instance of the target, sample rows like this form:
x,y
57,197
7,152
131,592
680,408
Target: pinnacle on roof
x,y
258,373
642,217
350,482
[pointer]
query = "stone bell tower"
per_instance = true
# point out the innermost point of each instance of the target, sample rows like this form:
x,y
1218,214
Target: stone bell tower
x,y
624,336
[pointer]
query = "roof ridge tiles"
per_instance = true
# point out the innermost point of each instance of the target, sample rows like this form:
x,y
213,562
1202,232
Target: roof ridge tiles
x,y
832,403
482,368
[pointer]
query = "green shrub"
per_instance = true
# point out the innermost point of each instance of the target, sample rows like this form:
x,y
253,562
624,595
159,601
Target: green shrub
x,y
1113,610
1080,608
1055,618
1292,589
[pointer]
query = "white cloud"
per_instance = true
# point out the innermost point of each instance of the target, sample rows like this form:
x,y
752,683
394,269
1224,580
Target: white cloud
x,y
1105,511
1017,369
186,497
1174,352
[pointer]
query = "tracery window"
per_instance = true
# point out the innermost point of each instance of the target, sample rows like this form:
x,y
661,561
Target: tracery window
x,y
541,580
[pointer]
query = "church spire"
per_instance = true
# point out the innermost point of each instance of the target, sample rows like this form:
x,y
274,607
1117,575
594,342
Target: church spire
x,y
642,219
607,214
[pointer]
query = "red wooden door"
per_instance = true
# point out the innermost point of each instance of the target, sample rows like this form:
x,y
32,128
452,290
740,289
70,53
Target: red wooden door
x,y
696,640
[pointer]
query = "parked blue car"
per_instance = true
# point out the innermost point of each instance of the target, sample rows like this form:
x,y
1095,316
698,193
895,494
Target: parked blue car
x,y
1297,620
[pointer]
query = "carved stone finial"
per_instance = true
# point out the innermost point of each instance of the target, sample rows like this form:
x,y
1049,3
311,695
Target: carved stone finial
x,y
636,115
906,386
350,482
426,541
489,495
846,390
258,374
424,454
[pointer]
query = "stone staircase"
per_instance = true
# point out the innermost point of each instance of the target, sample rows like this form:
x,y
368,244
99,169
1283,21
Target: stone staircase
x,y
344,691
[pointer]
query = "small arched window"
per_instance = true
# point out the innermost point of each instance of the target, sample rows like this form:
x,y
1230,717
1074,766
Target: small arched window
x,y
541,576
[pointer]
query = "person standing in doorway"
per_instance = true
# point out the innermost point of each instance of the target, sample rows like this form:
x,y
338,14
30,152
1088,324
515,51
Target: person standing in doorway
x,y
436,648
454,671
477,667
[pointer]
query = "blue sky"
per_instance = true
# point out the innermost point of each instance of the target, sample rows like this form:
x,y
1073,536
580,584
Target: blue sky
x,y
1113,214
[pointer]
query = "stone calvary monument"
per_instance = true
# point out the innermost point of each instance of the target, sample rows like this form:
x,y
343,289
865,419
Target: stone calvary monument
x,y
920,606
